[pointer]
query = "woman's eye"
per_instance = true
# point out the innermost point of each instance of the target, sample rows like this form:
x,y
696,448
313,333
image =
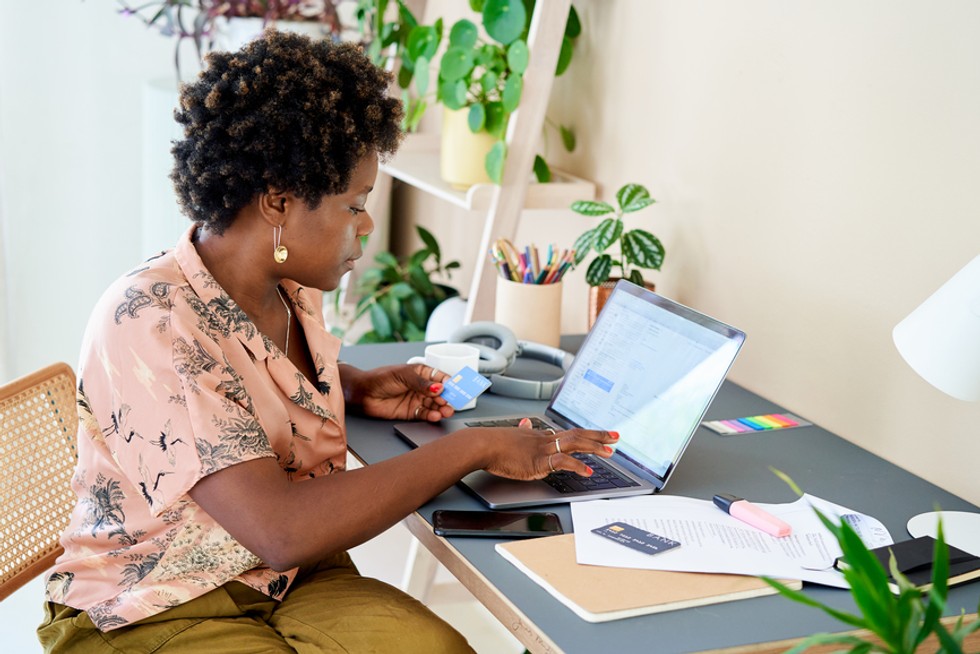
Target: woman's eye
x,y
355,210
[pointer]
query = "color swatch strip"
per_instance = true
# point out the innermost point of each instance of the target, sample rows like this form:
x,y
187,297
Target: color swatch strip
x,y
755,423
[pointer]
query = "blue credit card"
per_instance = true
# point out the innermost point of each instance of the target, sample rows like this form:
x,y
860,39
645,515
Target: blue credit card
x,y
462,387
636,538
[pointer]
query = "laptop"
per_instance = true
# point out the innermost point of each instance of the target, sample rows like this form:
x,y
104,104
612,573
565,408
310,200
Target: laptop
x,y
648,369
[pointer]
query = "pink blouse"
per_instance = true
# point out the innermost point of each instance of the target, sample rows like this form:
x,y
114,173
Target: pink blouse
x,y
176,382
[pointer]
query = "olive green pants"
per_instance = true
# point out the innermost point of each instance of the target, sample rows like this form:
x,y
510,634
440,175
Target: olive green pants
x,y
333,609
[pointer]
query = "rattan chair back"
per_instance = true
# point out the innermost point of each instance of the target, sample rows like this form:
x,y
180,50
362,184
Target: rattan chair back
x,y
38,423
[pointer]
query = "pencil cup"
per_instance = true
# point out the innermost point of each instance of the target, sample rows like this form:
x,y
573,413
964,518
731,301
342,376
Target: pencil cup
x,y
531,311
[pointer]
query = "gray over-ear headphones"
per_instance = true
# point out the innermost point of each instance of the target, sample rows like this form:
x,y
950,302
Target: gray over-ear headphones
x,y
494,361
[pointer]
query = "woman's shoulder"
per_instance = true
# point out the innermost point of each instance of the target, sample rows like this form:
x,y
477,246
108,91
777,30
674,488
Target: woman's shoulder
x,y
148,291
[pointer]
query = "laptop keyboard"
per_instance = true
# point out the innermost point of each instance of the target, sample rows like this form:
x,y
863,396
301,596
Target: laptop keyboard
x,y
603,477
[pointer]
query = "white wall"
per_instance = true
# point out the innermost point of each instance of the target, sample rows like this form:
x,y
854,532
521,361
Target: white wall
x,y
71,83
815,164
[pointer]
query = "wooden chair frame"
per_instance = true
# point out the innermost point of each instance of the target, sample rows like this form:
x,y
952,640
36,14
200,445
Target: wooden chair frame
x,y
38,425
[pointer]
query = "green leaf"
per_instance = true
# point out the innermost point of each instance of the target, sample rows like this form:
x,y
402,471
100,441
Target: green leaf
x,y
504,20
380,322
400,291
456,64
496,122
453,94
494,161
416,310
386,259
632,195
802,598
415,115
567,137
541,170
607,233
636,277
517,56
419,280
564,56
477,117
592,208
423,41
488,81
490,56
413,333
405,75
511,97
406,16
463,34
422,76
392,307
431,244
476,5
599,270
370,337
583,244
418,257
643,249
573,26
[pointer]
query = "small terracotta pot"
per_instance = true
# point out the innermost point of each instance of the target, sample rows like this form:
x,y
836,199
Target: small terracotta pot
x,y
599,294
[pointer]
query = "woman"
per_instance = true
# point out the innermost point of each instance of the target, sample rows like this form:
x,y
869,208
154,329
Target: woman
x,y
212,514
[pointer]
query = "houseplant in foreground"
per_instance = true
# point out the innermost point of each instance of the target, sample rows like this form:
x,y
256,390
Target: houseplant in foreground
x,y
635,249
899,624
400,295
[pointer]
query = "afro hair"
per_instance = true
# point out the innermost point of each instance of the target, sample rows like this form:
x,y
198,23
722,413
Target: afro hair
x,y
286,113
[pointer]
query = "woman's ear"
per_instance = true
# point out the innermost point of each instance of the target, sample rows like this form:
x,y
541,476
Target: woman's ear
x,y
273,206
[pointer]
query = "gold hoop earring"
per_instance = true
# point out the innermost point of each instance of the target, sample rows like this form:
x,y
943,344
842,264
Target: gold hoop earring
x,y
279,252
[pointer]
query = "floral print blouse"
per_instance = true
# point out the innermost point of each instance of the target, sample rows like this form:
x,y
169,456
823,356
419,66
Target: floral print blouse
x,y
174,383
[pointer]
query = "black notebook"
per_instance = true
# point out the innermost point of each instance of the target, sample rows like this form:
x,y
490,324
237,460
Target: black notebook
x,y
914,560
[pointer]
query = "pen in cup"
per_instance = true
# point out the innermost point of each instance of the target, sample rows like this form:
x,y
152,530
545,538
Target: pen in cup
x,y
751,514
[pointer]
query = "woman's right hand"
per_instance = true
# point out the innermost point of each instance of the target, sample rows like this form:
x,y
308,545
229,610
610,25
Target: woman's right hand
x,y
524,453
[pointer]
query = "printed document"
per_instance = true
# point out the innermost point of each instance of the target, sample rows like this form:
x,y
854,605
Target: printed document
x,y
713,541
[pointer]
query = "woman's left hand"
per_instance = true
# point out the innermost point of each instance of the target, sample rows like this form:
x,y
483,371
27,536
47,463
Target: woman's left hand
x,y
402,392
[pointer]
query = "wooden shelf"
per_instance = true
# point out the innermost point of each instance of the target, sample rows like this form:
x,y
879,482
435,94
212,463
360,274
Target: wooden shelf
x,y
417,164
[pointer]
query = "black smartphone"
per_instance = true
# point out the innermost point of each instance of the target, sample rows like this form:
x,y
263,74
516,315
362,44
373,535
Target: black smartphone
x,y
495,524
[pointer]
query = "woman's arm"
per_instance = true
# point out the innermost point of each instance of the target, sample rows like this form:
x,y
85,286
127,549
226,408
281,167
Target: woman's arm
x,y
290,524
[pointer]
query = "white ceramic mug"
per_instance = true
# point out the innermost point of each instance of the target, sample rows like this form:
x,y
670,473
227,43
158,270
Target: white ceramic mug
x,y
450,358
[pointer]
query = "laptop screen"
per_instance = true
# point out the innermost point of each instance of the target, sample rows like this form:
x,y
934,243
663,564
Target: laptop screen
x,y
648,370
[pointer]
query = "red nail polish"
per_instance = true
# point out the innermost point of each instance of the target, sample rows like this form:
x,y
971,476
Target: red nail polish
x,y
435,388
614,434
589,471
608,449
525,422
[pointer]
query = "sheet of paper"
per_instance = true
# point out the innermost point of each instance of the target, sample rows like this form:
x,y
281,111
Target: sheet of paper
x,y
713,541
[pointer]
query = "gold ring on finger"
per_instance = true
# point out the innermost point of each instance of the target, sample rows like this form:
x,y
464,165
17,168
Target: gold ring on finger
x,y
418,410
558,446
550,464
432,374
550,430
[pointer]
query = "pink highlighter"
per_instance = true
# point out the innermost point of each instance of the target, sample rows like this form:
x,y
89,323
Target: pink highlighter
x,y
751,514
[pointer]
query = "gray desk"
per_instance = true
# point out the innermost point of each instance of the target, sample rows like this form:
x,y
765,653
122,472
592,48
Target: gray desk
x,y
819,461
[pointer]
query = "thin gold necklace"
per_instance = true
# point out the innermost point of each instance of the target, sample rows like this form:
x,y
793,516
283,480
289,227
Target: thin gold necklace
x,y
289,319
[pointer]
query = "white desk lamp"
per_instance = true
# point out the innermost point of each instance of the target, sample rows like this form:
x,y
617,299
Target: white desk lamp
x,y
940,340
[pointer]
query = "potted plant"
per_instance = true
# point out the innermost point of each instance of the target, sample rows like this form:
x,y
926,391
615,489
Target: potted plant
x,y
480,80
635,249
897,624
400,295
201,20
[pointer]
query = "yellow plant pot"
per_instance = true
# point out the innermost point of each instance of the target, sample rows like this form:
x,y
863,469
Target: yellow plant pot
x,y
463,152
